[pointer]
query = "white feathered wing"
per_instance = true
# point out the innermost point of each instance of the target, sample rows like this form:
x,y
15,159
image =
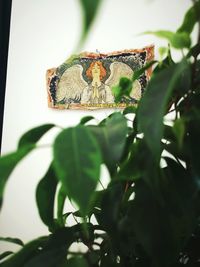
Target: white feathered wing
x,y
71,84
119,70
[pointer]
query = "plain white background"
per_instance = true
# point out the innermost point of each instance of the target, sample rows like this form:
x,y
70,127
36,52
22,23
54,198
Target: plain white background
x,y
43,34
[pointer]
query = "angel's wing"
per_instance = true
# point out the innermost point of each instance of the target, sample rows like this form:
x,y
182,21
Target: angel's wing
x,y
118,70
71,84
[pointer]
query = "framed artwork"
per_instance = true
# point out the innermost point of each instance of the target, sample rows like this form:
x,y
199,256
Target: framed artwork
x,y
85,81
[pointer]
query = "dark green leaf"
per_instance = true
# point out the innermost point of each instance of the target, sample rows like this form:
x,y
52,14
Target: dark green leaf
x,y
5,254
86,119
33,135
50,258
191,18
155,227
77,162
90,9
179,130
177,40
26,253
76,262
194,51
139,72
16,241
111,137
8,163
45,195
60,206
153,105
129,110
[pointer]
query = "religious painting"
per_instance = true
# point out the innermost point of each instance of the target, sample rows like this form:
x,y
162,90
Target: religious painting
x,y
86,81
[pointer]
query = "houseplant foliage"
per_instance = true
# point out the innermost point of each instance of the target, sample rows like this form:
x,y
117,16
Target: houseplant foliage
x,y
149,213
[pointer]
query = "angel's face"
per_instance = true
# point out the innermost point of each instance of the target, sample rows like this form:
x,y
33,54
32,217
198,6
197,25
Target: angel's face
x,y
96,71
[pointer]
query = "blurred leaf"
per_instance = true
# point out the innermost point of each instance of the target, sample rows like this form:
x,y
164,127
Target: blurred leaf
x,y
26,253
5,254
129,110
191,18
165,63
45,195
111,137
77,160
194,51
8,163
51,258
16,241
60,206
76,262
152,106
179,131
90,9
153,227
86,119
33,135
177,40
139,72
123,89
163,50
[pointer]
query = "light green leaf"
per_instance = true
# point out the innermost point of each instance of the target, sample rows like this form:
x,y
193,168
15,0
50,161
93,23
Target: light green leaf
x,y
177,40
45,195
191,18
16,241
8,163
111,137
77,159
152,106
123,89
33,135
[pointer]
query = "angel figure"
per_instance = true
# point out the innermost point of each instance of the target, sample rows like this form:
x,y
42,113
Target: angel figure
x,y
72,88
96,92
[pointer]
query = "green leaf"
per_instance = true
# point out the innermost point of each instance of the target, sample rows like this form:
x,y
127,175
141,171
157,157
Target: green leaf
x,y
45,196
111,137
26,253
179,131
8,163
33,135
177,40
60,206
123,89
89,9
77,159
16,241
152,226
50,258
86,119
129,110
5,254
194,51
191,18
76,262
139,72
152,106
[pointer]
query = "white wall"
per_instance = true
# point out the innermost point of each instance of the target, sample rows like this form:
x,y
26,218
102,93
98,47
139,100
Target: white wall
x,y
43,34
